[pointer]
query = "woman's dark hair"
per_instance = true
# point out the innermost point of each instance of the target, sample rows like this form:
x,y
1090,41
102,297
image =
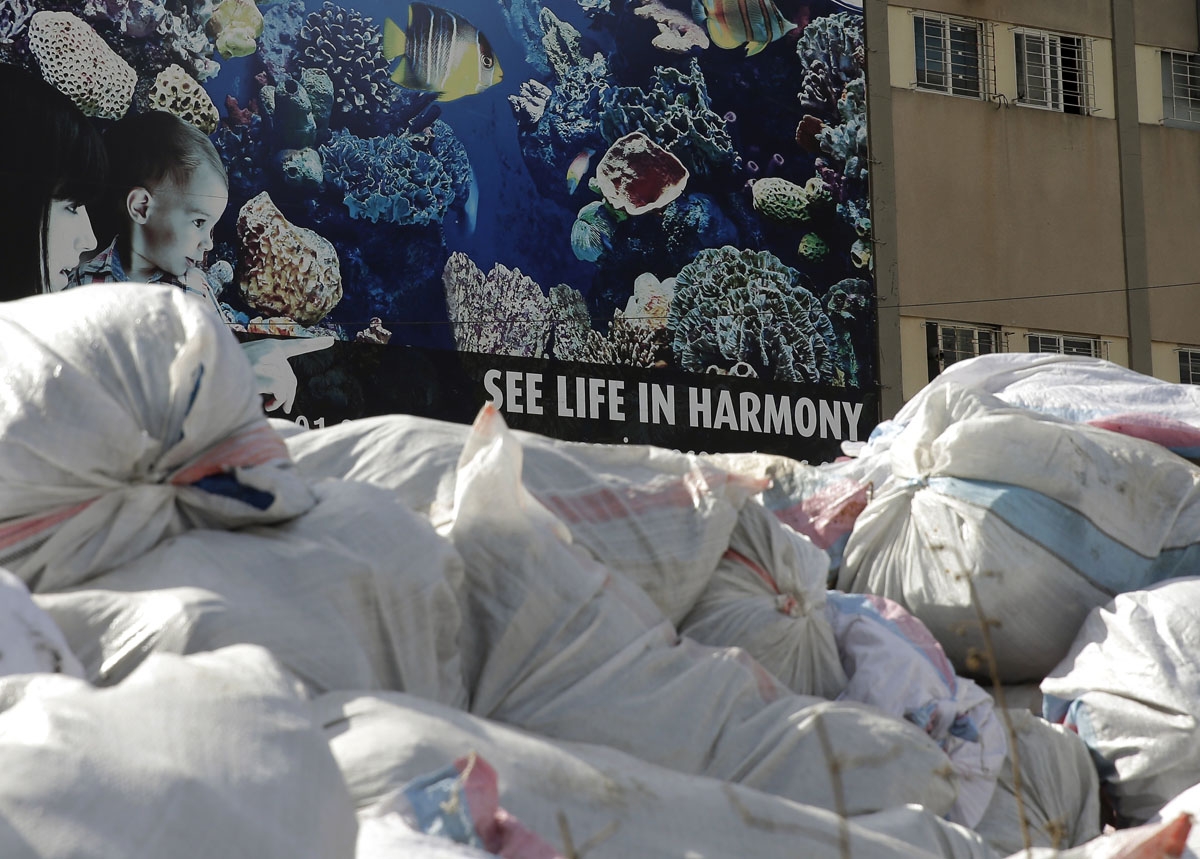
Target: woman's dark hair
x,y
50,152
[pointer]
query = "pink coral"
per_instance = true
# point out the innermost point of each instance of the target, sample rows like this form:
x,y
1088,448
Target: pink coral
x,y
637,175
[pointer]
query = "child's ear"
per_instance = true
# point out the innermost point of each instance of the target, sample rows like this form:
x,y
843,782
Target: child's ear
x,y
137,205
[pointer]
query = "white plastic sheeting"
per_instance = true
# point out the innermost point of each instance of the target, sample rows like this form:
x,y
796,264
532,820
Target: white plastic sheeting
x,y
190,757
1131,687
622,805
30,641
558,644
660,517
359,593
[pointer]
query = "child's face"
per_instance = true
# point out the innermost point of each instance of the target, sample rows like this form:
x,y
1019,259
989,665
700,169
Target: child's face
x,y
177,231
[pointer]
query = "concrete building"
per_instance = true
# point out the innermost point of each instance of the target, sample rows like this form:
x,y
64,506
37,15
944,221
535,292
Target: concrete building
x,y
1035,183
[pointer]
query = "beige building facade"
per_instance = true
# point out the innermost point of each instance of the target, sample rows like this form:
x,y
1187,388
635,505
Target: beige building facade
x,y
1035,183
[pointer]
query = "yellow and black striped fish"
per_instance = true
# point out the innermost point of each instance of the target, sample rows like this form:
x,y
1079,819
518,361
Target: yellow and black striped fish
x,y
753,23
441,52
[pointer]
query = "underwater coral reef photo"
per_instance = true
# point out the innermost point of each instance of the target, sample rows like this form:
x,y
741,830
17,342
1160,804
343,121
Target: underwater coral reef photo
x,y
644,185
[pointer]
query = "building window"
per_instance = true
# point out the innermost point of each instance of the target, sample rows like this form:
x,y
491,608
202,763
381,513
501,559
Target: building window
x,y
949,343
954,55
1065,344
1189,366
1054,72
1181,88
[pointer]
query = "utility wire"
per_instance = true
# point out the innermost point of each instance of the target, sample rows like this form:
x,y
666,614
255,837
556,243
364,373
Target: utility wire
x,y
548,320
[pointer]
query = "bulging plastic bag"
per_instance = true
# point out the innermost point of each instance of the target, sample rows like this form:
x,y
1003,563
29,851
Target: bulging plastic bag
x,y
1026,520
130,415
768,598
190,757
1130,687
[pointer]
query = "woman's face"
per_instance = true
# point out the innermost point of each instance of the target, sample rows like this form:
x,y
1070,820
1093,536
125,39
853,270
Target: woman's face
x,y
69,234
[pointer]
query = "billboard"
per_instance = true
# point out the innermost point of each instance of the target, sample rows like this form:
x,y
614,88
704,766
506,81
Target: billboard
x,y
620,220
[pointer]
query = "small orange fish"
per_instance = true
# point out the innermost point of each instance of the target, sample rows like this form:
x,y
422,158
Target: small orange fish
x,y
578,169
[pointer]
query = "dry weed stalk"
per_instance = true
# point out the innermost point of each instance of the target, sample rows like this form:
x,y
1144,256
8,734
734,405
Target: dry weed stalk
x,y
570,851
989,654
834,765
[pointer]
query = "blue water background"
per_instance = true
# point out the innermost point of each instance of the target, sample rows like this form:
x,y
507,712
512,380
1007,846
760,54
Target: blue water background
x,y
517,226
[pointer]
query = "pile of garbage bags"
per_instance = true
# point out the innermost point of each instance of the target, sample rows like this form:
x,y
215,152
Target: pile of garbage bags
x,y
225,635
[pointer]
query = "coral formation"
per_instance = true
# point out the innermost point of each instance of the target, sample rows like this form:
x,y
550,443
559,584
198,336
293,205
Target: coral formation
x,y
741,307
220,273
500,313
561,42
392,178
812,247
678,31
348,46
177,92
780,199
636,175
592,8
834,85
292,114
676,113
832,54
530,102
572,335
300,169
692,222
861,255
638,333
77,62
849,304
592,232
14,19
242,145
319,88
151,34
524,23
555,124
285,270
277,44
236,24
448,151
847,142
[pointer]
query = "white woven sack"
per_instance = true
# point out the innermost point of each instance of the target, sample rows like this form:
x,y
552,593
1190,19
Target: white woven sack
x,y
768,598
819,501
1029,519
190,757
129,415
893,663
30,642
616,804
360,593
1059,789
1072,387
1131,687
558,644
661,517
